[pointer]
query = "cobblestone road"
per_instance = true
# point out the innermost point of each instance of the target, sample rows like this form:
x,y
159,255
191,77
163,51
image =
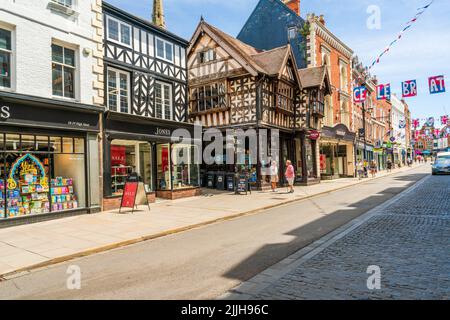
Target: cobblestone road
x,y
409,240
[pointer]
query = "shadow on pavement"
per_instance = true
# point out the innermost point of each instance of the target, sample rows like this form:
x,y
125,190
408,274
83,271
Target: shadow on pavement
x,y
305,235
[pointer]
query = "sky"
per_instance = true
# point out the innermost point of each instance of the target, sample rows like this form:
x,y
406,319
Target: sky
x,y
423,51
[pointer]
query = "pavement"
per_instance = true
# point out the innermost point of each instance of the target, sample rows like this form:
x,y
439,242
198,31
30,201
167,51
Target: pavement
x,y
27,247
206,262
404,243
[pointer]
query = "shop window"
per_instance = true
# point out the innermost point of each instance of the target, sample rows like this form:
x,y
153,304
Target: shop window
x,y
5,58
185,172
163,180
56,144
37,179
129,157
63,71
163,100
12,142
67,145
79,145
118,90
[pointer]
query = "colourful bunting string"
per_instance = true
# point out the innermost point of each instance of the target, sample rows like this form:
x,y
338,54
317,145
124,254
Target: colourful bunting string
x,y
408,25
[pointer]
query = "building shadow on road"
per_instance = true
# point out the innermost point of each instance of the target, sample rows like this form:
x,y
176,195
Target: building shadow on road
x,y
269,254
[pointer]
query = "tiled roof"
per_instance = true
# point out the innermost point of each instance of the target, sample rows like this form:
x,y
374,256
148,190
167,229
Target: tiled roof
x,y
272,61
312,77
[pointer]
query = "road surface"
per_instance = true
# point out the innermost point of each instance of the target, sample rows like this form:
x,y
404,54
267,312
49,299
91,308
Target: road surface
x,y
205,263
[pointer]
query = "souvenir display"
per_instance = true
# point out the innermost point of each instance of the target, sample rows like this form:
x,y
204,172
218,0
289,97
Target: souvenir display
x,y
62,194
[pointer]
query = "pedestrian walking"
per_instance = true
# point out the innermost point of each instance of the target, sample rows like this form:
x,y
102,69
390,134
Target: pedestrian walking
x,y
274,175
290,176
373,168
360,169
389,165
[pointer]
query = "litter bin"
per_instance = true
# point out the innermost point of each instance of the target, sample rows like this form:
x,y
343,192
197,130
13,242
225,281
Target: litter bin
x,y
210,180
230,181
220,180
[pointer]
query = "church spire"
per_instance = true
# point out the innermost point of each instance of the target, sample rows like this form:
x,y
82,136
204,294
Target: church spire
x,y
158,14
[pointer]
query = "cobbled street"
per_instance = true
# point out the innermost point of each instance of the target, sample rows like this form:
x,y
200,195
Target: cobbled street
x,y
409,240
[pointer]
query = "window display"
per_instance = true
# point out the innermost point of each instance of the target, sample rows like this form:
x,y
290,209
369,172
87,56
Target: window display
x,y
128,156
40,174
185,171
163,168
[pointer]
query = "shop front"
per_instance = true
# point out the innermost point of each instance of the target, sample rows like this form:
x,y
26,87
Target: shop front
x,y
337,152
145,146
49,159
307,150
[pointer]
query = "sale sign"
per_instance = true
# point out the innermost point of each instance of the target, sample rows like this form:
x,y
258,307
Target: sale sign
x,y
436,84
129,195
359,94
384,91
409,88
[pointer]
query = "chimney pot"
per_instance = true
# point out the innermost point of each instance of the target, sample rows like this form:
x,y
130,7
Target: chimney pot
x,y
294,5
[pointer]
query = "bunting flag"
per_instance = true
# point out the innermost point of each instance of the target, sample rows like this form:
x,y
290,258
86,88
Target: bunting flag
x,y
384,92
409,88
359,94
437,132
436,84
444,120
416,123
430,122
402,124
408,25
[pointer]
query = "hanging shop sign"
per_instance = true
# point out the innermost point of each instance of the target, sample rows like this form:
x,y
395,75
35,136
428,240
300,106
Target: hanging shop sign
x,y
314,135
242,184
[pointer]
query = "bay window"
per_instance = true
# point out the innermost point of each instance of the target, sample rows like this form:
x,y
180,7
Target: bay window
x,y
63,71
163,100
5,58
208,97
118,90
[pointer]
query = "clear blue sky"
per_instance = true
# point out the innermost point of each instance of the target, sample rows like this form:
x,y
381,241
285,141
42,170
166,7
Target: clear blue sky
x,y
423,51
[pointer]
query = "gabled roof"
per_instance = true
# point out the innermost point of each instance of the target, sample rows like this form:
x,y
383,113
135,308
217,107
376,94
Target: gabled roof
x,y
314,77
255,61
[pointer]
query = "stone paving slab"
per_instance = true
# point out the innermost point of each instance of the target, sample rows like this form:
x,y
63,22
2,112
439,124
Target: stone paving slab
x,y
407,237
25,246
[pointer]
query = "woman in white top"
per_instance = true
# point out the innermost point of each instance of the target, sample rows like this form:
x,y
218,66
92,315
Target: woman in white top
x,y
274,175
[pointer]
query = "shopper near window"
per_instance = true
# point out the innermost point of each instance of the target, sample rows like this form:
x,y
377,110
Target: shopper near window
x,y
274,175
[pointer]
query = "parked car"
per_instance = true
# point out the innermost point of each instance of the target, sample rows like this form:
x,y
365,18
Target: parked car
x,y
441,166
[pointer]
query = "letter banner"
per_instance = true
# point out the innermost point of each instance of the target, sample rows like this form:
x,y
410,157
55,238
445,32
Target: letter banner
x,y
402,124
409,88
436,84
384,92
359,94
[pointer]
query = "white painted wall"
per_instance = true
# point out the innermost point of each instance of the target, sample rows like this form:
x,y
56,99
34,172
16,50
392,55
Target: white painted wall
x,y
34,27
398,113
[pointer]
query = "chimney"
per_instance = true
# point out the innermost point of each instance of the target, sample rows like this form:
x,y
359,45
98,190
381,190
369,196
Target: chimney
x,y
322,19
158,14
294,5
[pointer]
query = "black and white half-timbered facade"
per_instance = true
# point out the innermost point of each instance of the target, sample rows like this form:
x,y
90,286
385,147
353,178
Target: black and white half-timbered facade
x,y
235,86
146,100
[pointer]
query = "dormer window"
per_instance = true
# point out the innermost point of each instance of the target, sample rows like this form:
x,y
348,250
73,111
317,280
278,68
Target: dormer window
x,y
292,32
207,56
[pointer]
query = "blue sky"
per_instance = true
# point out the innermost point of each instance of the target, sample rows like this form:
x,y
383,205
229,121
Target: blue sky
x,y
424,50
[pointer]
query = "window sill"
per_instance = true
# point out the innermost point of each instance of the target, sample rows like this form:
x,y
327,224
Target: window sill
x,y
65,99
68,11
214,110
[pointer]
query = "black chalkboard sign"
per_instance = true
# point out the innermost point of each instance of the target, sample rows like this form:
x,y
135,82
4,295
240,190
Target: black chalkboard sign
x,y
242,184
